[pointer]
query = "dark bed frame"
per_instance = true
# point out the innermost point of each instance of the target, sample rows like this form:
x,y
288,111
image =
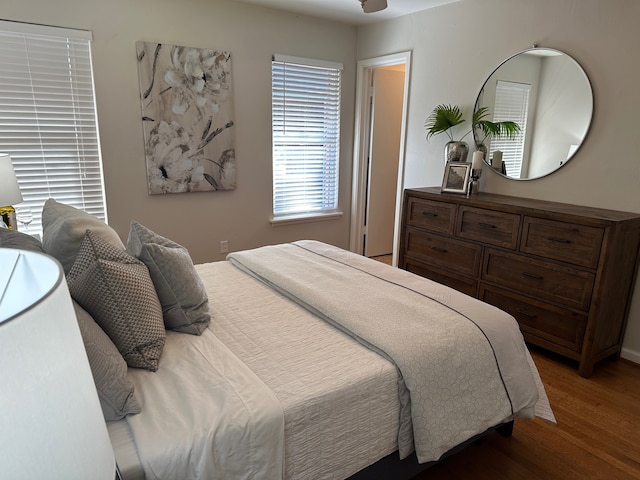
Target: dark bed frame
x,y
392,468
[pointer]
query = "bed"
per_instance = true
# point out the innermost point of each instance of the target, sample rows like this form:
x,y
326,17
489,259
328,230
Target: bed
x,y
317,364
291,361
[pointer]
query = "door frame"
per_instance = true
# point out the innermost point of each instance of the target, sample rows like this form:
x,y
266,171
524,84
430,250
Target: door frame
x,y
361,148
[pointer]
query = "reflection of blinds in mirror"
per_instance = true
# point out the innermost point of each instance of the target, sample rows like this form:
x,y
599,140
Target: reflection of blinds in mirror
x,y
512,104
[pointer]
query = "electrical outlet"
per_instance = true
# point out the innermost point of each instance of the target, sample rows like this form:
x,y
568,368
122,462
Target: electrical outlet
x,y
224,246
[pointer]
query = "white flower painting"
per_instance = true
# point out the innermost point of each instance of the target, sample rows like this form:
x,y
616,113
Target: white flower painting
x,y
188,118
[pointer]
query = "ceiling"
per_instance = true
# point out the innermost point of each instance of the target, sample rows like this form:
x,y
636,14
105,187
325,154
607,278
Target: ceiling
x,y
349,11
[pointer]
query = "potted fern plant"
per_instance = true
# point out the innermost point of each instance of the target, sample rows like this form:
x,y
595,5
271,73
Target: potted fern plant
x,y
444,117
442,120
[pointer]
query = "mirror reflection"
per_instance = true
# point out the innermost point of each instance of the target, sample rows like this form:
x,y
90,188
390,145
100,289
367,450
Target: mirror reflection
x,y
548,95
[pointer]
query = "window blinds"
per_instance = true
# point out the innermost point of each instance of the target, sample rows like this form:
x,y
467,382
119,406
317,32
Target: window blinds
x,y
511,104
48,119
306,135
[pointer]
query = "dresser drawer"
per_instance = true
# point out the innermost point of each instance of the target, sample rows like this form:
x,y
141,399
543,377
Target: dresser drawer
x,y
436,217
494,228
444,252
554,324
450,279
567,242
536,278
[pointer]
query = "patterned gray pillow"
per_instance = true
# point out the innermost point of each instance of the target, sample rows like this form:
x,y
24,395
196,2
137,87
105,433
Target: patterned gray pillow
x,y
109,369
115,288
185,305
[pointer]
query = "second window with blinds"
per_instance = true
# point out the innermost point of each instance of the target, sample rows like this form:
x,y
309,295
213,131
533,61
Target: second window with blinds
x,y
305,137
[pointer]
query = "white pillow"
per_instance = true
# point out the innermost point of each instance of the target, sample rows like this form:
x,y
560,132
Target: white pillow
x,y
64,227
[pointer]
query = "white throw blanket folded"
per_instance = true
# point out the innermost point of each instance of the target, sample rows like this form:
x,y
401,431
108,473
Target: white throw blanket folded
x,y
464,363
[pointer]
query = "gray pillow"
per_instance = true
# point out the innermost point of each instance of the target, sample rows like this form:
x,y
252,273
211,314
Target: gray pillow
x,y
63,228
116,289
15,239
185,306
109,369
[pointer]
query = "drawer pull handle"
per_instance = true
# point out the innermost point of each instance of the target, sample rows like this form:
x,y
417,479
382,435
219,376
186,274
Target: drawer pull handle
x,y
439,249
429,214
526,314
532,275
486,225
559,240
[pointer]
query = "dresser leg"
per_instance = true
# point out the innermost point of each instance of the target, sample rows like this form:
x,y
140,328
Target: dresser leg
x,y
585,369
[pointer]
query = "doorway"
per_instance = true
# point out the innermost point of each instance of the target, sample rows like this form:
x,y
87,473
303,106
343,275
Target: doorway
x,y
378,179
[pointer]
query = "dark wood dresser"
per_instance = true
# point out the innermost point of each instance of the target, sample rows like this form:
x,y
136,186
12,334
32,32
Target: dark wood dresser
x,y
565,272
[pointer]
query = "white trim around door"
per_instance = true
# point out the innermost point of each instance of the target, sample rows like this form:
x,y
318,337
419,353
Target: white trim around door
x,y
362,144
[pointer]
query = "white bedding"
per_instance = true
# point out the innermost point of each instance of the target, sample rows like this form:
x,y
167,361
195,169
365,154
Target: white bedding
x,y
340,399
482,375
268,391
205,415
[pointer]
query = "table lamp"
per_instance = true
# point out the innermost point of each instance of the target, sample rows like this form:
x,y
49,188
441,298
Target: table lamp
x,y
51,423
9,192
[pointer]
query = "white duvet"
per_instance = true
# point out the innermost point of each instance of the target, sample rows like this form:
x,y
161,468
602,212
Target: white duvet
x,y
340,399
463,362
272,391
205,415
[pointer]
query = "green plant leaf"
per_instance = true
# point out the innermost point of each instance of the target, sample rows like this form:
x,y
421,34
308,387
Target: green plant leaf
x,y
442,119
480,115
496,129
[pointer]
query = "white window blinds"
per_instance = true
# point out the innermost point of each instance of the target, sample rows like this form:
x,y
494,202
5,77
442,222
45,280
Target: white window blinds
x,y
48,119
306,135
512,104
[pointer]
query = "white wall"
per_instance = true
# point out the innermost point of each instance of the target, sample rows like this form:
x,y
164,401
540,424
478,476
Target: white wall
x,y
456,46
252,34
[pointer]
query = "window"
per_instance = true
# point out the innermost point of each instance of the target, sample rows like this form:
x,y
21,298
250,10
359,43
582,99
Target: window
x,y
48,118
306,136
512,104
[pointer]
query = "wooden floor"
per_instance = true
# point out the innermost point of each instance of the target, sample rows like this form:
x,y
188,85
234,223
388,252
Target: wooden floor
x,y
597,435
383,258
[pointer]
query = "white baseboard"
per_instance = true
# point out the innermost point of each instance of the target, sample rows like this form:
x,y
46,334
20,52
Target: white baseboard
x,y
631,355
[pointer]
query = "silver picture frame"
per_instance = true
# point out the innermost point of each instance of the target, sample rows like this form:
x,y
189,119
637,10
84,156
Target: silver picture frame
x,y
456,177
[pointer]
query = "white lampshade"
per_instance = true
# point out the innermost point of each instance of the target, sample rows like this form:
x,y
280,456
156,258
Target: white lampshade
x,y
370,6
51,423
9,190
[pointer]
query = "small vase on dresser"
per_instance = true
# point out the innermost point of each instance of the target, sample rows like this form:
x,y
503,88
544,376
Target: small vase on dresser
x,y
456,152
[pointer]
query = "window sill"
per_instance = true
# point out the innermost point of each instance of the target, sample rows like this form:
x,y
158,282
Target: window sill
x,y
303,218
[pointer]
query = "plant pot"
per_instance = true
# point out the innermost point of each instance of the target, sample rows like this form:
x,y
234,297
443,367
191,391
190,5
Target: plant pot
x,y
456,152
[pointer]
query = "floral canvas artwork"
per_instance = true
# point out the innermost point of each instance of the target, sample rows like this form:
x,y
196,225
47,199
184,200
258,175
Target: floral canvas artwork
x,y
188,118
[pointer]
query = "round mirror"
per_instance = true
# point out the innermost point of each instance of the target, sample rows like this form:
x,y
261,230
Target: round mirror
x,y
548,96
